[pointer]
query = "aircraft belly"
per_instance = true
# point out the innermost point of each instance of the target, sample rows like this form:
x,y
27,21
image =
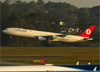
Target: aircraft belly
x,y
70,40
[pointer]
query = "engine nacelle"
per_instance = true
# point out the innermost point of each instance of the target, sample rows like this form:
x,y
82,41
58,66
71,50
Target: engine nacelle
x,y
55,36
42,38
46,37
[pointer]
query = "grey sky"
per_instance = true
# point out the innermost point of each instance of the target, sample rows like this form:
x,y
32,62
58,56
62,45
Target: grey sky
x,y
77,3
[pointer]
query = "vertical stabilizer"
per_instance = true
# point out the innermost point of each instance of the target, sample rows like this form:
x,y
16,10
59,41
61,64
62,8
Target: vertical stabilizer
x,y
87,32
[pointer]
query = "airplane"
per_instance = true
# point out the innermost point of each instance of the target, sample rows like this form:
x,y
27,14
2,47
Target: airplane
x,y
50,36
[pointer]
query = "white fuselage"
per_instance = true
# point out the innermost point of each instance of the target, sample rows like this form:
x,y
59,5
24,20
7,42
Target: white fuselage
x,y
27,32
34,33
72,38
37,68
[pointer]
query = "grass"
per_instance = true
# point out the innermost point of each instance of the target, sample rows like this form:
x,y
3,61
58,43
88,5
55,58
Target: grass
x,y
54,55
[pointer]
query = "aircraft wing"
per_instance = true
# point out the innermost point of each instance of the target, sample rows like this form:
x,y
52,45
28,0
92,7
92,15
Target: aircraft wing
x,y
88,38
48,37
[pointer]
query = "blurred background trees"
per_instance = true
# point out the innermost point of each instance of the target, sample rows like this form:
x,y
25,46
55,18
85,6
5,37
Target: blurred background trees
x,y
46,17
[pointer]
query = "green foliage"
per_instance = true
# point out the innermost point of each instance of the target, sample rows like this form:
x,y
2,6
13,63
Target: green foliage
x,y
46,17
84,14
64,11
63,55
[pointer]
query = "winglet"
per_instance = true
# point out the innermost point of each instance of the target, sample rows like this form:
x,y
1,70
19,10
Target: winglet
x,y
95,69
77,63
87,32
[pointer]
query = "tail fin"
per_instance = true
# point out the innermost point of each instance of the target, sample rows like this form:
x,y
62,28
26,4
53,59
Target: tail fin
x,y
87,32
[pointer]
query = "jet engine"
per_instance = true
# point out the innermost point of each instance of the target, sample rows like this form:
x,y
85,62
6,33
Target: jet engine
x,y
44,38
41,38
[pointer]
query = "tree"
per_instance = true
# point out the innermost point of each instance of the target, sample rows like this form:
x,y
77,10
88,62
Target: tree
x,y
7,1
40,2
18,1
84,14
46,17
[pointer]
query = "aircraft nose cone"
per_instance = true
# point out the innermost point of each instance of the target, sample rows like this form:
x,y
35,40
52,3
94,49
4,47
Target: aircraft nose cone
x,y
4,31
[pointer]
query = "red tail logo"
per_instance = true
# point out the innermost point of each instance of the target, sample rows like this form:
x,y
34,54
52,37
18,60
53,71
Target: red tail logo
x,y
87,32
